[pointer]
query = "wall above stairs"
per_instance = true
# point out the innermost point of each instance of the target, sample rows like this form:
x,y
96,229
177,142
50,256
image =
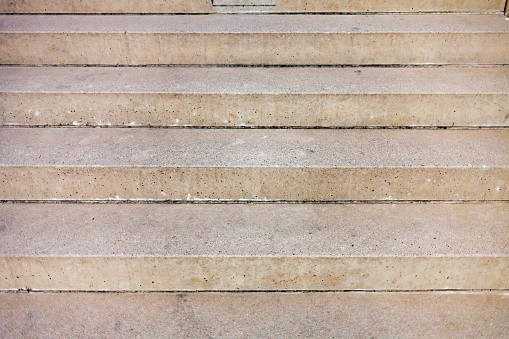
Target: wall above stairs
x,y
232,6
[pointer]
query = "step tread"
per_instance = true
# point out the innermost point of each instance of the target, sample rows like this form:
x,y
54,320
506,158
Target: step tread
x,y
253,148
281,230
223,24
271,80
253,39
234,315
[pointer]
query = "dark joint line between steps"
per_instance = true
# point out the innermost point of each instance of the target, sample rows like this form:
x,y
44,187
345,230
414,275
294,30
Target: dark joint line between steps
x,y
445,291
254,202
493,12
271,127
270,66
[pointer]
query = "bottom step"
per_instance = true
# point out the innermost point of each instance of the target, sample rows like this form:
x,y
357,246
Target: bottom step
x,y
234,315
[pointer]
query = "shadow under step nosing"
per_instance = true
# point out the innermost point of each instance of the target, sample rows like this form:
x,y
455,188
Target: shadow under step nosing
x,y
253,40
234,6
253,247
254,97
253,165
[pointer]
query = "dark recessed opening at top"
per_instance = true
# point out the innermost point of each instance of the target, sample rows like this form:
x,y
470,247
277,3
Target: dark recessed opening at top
x,y
244,3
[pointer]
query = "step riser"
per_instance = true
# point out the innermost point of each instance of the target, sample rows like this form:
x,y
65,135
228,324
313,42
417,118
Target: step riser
x,y
252,184
281,6
237,273
253,110
253,49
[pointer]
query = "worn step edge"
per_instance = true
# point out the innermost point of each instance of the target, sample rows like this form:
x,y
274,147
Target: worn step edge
x,y
253,165
253,40
254,97
272,6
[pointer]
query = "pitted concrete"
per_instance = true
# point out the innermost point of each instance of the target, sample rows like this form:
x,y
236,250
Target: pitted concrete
x,y
194,247
249,80
245,148
253,247
252,273
257,315
254,24
233,97
254,40
253,165
323,230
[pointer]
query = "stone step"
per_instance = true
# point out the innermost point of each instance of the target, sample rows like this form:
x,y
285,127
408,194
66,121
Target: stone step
x,y
242,6
253,164
230,96
253,39
255,315
227,247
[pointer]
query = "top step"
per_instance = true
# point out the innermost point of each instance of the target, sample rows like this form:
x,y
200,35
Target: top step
x,y
245,6
245,39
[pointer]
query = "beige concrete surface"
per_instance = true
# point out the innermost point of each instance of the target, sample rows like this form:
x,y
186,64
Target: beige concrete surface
x,y
197,96
275,148
254,24
254,39
253,165
256,80
253,247
202,184
351,230
255,315
250,273
205,6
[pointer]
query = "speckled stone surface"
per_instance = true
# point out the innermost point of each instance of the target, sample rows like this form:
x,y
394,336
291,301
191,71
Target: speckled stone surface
x,y
254,148
352,230
205,6
293,165
247,80
245,247
254,247
254,39
260,273
293,24
197,96
255,315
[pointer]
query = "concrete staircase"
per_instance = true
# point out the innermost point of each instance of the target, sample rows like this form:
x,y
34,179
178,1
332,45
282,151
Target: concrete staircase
x,y
254,168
